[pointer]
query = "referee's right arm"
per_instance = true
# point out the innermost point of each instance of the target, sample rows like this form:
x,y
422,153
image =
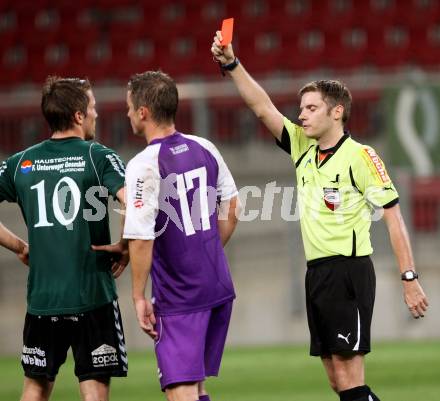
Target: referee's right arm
x,y
252,93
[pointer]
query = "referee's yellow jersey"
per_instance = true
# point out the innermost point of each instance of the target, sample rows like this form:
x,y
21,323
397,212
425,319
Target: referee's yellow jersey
x,y
338,196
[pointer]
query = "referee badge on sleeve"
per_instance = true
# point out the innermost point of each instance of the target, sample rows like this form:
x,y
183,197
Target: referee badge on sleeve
x,y
332,198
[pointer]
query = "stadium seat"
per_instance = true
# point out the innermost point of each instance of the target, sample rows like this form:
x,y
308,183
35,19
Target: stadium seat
x,y
133,56
292,16
304,51
425,46
262,50
225,114
14,63
425,203
334,14
376,13
389,46
415,14
346,49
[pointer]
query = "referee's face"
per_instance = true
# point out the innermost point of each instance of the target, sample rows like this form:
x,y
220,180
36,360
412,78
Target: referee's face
x,y
315,117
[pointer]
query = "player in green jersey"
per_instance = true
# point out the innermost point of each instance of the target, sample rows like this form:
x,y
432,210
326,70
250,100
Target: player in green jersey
x,y
340,184
62,186
15,244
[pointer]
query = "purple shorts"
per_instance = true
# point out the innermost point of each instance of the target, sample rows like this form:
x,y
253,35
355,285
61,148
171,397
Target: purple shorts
x,y
190,346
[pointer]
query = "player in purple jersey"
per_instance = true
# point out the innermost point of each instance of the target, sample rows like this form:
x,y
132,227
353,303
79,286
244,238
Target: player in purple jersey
x,y
181,211
15,244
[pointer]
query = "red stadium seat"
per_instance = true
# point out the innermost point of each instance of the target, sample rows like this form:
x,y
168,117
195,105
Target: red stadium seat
x,y
415,14
133,56
425,203
293,17
376,13
14,63
304,51
425,46
334,14
262,51
389,47
346,48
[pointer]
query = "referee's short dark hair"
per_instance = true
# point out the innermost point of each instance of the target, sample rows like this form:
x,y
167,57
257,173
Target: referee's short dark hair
x,y
157,91
61,99
333,93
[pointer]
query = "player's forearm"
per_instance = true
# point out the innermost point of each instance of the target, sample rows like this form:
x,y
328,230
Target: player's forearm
x,y
140,261
10,241
121,198
228,218
399,238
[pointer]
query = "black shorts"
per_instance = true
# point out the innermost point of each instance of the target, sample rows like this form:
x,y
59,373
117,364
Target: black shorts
x,y
96,338
340,299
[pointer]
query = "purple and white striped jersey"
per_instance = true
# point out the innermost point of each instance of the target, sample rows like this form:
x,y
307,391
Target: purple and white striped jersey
x,y
173,188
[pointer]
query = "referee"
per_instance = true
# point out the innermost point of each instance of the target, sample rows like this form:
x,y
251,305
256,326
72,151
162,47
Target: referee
x,y
341,183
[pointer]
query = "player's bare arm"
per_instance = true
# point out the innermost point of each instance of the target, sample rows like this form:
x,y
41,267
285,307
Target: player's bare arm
x,y
141,255
229,212
414,296
119,250
251,92
15,244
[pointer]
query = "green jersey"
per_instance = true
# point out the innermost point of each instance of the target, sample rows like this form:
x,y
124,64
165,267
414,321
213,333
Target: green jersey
x,y
338,196
62,188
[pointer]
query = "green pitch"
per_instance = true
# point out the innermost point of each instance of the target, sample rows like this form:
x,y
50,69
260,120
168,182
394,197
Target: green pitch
x,y
407,371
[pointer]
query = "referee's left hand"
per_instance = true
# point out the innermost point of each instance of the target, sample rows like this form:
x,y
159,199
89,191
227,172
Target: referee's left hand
x,y
415,298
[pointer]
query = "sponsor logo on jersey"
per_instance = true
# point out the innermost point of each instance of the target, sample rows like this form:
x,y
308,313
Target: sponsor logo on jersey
x,y
138,203
105,355
33,356
332,198
117,164
378,165
3,168
179,149
138,196
65,164
26,167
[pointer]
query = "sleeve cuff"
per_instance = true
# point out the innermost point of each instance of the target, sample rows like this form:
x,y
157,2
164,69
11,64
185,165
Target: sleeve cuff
x,y
114,190
227,197
285,141
136,236
391,204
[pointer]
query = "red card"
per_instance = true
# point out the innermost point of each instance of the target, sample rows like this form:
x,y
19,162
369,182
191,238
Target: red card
x,y
227,29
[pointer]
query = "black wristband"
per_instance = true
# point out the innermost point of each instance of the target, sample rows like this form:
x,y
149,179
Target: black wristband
x,y
231,66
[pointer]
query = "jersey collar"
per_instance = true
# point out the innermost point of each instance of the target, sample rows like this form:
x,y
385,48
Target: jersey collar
x,y
331,150
160,140
67,138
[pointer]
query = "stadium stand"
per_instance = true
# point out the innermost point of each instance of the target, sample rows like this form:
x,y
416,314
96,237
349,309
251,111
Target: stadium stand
x,y
108,39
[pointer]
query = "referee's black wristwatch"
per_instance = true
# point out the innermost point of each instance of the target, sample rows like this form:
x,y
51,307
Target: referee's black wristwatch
x,y
409,275
231,66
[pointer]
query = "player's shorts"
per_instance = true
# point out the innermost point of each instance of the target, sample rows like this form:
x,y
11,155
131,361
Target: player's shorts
x,y
96,338
340,298
190,346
